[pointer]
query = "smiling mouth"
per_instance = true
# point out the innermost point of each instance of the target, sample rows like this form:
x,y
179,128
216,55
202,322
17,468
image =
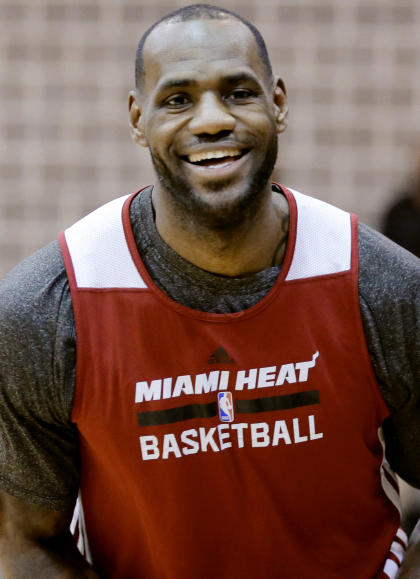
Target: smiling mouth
x,y
214,158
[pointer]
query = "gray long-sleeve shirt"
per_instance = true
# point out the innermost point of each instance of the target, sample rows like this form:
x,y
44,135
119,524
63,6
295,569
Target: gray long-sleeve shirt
x,y
39,443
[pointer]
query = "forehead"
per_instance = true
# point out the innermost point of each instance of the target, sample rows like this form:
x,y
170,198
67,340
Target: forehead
x,y
197,47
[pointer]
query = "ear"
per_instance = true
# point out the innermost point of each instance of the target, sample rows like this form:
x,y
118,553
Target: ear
x,y
280,105
136,120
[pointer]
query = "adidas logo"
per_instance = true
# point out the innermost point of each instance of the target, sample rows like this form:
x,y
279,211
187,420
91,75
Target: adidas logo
x,y
220,356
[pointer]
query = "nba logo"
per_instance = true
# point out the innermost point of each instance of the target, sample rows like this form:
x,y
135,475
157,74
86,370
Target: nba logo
x,y
225,406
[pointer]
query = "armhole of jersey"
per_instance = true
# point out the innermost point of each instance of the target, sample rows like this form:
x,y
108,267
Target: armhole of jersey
x,y
323,243
91,264
67,260
383,407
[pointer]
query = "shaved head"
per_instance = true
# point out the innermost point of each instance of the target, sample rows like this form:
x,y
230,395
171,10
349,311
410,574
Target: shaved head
x,y
201,12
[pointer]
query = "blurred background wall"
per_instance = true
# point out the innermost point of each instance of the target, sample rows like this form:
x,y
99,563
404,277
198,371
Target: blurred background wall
x,y
352,71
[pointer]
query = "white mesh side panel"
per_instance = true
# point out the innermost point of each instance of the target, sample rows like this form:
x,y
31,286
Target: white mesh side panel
x,y
397,550
388,488
395,555
402,535
78,530
99,251
323,239
391,569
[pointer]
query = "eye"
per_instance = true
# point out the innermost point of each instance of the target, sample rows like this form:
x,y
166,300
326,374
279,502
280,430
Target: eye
x,y
177,101
240,95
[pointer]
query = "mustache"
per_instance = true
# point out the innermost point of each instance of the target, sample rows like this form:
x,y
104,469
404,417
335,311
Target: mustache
x,y
220,139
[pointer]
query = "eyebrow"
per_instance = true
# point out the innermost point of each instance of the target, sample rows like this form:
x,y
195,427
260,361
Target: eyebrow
x,y
240,77
176,83
231,79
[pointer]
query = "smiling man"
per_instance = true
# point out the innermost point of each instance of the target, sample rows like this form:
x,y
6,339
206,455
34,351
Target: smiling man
x,y
212,134
217,362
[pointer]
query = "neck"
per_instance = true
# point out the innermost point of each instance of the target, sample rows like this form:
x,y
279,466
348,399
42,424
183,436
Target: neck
x,y
254,244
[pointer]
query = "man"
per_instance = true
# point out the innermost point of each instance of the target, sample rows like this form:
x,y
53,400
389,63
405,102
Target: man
x,y
223,411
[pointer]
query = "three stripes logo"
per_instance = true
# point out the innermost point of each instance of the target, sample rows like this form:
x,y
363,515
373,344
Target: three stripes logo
x,y
220,356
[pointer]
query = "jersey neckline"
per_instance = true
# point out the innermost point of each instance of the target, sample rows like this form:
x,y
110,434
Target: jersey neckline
x,y
211,316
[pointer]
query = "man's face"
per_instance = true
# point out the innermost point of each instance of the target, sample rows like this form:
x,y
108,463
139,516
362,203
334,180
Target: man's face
x,y
208,116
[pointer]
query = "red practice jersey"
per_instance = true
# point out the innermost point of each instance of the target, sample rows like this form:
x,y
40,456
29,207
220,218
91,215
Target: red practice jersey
x,y
230,445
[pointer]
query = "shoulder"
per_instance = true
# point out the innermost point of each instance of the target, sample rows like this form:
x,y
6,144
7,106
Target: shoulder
x,y
36,324
31,292
389,278
387,272
37,358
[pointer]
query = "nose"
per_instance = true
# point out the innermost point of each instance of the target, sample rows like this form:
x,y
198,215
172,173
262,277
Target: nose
x,y
211,116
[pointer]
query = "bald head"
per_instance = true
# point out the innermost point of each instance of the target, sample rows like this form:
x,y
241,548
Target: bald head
x,y
201,12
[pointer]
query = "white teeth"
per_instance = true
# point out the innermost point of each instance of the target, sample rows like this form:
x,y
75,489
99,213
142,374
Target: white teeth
x,y
197,157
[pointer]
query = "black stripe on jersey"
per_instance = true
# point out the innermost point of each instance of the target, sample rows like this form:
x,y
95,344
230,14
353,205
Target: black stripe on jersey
x,y
155,417
282,402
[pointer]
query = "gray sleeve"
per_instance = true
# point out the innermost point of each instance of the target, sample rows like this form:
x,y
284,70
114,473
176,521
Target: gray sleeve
x,y
39,444
389,282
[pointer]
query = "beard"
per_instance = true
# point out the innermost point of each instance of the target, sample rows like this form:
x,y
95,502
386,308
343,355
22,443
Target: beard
x,y
227,213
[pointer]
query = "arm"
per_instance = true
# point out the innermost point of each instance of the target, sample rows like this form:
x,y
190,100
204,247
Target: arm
x,y
36,542
39,444
390,306
389,300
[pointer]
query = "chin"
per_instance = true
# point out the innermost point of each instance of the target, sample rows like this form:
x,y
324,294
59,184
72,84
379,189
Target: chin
x,y
223,208
219,204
